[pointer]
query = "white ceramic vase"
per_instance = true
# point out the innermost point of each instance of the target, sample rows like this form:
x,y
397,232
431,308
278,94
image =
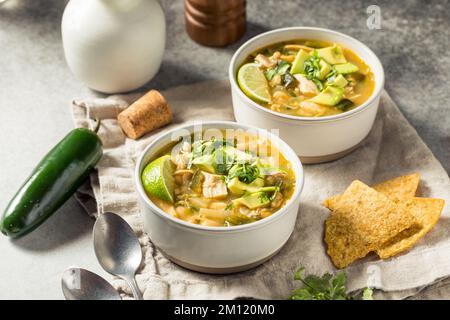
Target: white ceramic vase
x,y
114,45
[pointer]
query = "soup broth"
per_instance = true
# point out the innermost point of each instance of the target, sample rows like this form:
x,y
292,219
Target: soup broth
x,y
226,182
306,78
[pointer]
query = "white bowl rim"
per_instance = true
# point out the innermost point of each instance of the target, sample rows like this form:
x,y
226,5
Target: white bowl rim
x,y
253,225
374,95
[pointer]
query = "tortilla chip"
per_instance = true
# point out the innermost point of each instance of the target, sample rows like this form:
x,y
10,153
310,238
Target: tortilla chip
x,y
397,189
427,212
400,188
331,202
344,244
363,220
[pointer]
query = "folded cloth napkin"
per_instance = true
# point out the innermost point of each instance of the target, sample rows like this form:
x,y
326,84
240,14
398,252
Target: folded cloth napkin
x,y
392,148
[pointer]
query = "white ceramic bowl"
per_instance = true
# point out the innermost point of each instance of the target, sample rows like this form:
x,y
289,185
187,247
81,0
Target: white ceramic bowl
x,y
218,249
318,139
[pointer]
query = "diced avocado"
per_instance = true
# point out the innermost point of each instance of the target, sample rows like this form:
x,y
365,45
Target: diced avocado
x,y
237,154
346,68
324,69
205,163
257,183
239,188
222,161
299,61
238,219
253,200
330,96
332,55
339,81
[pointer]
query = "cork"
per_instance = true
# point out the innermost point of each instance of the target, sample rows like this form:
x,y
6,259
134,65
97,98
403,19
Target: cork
x,y
148,113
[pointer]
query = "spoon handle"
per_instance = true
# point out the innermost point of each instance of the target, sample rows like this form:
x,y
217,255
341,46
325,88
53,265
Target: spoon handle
x,y
134,288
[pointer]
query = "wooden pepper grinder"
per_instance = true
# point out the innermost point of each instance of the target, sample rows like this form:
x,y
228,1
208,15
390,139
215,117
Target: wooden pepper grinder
x,y
215,23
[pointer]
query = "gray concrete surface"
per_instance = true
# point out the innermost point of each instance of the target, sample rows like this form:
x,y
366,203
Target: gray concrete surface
x,y
36,88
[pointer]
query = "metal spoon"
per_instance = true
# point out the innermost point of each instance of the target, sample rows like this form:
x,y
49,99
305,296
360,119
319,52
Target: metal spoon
x,y
81,284
117,249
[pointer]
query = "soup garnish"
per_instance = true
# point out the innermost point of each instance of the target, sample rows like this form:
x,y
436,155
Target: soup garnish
x,y
220,182
306,78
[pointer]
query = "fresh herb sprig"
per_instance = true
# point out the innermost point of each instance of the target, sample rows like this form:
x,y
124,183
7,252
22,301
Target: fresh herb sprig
x,y
326,287
245,172
312,70
281,68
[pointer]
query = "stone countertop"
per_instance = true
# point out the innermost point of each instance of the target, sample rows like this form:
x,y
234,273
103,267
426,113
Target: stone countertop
x,y
36,89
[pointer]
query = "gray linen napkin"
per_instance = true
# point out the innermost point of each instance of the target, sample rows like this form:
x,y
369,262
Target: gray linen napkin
x,y
392,148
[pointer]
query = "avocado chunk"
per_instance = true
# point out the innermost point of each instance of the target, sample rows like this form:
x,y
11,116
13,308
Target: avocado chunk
x,y
332,55
239,188
205,163
339,81
237,155
324,69
253,200
330,96
238,219
299,62
346,68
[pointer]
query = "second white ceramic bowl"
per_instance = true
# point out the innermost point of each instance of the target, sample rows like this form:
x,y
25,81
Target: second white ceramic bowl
x,y
318,139
218,249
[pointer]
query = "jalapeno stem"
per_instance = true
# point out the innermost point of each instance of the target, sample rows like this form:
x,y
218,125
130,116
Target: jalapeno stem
x,y
97,124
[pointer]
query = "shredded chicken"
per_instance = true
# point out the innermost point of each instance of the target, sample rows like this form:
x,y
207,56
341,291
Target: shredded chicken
x,y
281,97
183,177
276,80
306,86
278,201
277,178
244,210
311,109
276,55
264,61
276,107
348,91
181,160
214,187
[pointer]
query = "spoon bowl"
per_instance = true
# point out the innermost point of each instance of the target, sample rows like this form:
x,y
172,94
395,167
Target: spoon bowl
x,y
117,249
81,284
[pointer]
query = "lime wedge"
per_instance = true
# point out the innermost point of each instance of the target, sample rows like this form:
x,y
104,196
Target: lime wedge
x,y
158,179
253,82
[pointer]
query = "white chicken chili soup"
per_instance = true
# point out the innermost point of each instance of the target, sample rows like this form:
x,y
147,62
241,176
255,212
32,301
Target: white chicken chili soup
x,y
220,178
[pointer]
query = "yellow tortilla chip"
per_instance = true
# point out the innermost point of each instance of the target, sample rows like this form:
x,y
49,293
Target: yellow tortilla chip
x,y
363,220
397,189
427,212
400,188
344,244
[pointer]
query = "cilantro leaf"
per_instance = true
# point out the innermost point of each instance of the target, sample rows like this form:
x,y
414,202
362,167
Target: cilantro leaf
x,y
245,172
367,294
326,287
312,70
281,69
